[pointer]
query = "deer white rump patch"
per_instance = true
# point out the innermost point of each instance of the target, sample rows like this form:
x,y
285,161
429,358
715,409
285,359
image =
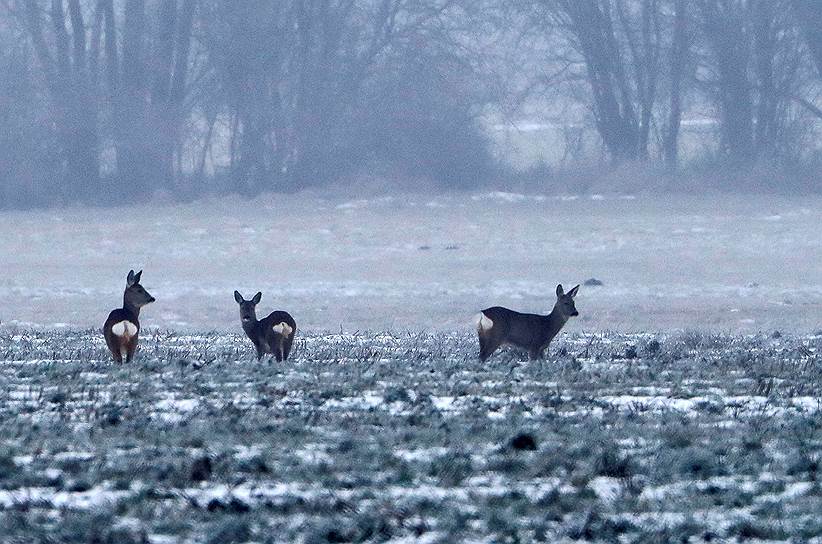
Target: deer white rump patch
x,y
283,328
124,328
484,323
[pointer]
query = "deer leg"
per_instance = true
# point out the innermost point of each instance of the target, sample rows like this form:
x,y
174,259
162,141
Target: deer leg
x,y
287,348
114,348
131,347
535,354
483,353
488,345
118,357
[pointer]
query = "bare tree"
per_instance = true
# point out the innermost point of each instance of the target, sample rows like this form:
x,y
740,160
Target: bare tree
x,y
249,45
145,86
809,17
60,37
677,62
619,45
294,77
147,83
754,64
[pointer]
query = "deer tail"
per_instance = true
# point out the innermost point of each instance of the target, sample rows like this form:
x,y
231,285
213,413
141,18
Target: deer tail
x,y
483,322
283,328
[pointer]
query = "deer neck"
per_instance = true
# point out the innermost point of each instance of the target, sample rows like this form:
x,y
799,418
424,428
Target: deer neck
x,y
250,326
556,320
129,307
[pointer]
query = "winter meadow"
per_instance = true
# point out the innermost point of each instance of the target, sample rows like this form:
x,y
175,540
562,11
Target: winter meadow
x,y
386,174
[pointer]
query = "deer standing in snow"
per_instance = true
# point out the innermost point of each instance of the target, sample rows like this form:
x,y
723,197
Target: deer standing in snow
x,y
122,327
498,325
273,334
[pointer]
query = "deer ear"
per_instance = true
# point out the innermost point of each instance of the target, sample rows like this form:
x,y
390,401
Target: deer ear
x,y
560,290
137,276
573,292
130,278
238,297
257,297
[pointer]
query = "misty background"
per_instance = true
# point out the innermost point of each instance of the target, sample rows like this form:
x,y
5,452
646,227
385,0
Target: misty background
x,y
117,102
395,164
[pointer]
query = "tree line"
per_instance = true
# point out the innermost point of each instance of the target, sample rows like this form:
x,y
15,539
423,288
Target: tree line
x,y
107,101
747,62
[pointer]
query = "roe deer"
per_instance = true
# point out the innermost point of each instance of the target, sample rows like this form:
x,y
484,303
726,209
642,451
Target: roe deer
x,y
497,326
273,334
123,325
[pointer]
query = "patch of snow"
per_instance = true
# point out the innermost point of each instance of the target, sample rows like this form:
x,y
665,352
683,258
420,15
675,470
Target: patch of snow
x,y
502,196
443,403
177,405
606,488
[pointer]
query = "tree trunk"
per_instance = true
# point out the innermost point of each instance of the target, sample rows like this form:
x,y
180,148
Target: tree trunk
x,y
613,108
764,51
725,28
174,107
135,164
677,61
809,16
250,173
72,95
151,97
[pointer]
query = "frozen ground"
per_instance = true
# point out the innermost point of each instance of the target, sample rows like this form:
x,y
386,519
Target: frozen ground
x,y
403,438
416,262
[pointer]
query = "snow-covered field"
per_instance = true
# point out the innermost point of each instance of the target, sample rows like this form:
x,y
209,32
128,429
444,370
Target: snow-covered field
x,y
686,437
417,262
683,404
